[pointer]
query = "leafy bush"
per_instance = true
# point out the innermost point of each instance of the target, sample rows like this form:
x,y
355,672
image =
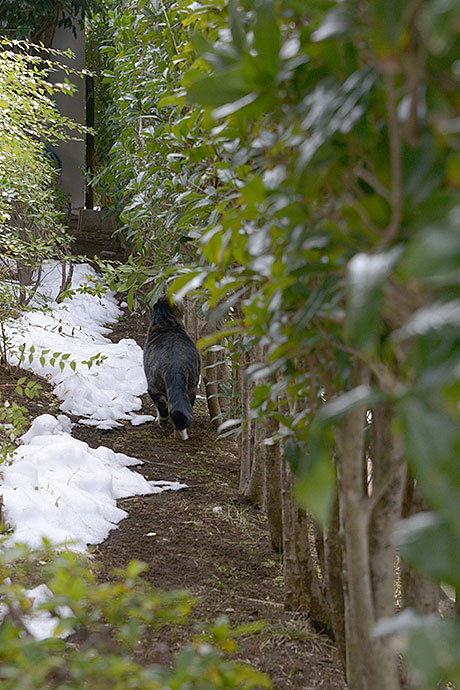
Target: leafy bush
x,y
301,162
344,226
155,169
36,21
106,622
31,224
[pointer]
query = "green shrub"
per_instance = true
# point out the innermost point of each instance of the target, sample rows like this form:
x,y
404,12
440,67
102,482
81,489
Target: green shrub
x,y
305,157
107,622
32,226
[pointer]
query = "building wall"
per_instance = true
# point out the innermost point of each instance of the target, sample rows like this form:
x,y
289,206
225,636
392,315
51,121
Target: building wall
x,y
72,153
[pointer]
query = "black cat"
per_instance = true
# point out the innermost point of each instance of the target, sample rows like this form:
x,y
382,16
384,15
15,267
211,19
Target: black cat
x,y
172,366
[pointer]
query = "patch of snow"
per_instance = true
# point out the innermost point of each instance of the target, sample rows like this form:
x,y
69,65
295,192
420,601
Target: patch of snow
x,y
76,327
58,488
55,486
41,623
138,419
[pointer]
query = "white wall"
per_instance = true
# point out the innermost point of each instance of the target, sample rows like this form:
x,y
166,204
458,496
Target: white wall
x,y
72,153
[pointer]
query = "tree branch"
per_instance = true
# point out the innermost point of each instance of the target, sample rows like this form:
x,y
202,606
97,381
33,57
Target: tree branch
x,y
395,145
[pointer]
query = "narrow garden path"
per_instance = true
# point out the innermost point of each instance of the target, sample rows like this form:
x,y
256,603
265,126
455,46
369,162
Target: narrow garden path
x,y
208,540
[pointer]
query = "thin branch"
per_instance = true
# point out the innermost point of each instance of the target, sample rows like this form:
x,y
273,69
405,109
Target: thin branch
x,y
169,26
396,197
373,182
362,213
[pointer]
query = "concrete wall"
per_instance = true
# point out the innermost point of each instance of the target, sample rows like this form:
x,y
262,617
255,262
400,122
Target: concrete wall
x,y
72,153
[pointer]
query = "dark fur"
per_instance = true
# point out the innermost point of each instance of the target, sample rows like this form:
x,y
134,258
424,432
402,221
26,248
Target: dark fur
x,y
171,364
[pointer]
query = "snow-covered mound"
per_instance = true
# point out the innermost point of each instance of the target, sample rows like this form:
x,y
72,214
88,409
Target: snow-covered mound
x,y
59,488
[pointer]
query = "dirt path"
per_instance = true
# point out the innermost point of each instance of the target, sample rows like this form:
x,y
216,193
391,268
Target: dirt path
x,y
205,539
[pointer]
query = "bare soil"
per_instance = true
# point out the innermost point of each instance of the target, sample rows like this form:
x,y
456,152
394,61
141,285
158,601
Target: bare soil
x,y
204,539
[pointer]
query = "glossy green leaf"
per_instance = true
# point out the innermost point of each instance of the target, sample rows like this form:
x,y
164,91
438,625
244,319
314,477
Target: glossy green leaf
x,y
365,278
218,89
362,396
267,37
186,283
236,26
424,533
434,255
434,653
432,440
315,490
335,23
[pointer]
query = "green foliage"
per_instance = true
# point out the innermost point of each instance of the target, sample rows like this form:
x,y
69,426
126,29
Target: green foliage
x,y
13,423
159,177
29,389
14,418
31,223
45,355
108,619
32,227
302,162
36,20
433,650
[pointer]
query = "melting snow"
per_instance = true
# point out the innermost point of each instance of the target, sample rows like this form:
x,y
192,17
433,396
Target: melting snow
x,y
55,485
